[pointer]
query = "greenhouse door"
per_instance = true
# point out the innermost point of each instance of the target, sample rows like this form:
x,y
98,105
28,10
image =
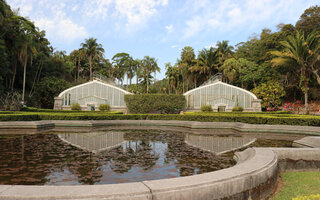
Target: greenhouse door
x,y
91,107
221,109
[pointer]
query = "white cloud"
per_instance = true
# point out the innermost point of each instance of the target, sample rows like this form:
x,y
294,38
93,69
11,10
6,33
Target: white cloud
x,y
139,11
174,46
62,28
194,26
227,15
169,28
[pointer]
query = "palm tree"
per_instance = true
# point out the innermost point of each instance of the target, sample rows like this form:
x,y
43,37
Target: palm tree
x,y
124,61
303,53
93,50
149,65
224,50
26,46
187,59
172,74
205,64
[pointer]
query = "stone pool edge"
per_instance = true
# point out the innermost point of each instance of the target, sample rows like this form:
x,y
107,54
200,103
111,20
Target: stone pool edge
x,y
242,127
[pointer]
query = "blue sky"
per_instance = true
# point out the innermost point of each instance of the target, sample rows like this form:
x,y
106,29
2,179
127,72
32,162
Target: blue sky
x,y
157,28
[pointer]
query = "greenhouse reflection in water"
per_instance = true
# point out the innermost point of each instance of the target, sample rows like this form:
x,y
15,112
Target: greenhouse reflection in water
x,y
218,144
94,142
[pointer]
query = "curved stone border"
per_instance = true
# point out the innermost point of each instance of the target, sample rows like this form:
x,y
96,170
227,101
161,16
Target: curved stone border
x,y
310,141
241,127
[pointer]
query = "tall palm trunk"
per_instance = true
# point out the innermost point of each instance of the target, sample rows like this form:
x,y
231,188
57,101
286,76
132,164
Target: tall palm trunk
x,y
78,69
147,81
90,64
24,79
14,74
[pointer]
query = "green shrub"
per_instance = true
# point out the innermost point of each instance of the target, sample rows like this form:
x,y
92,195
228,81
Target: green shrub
x,y
255,118
19,117
75,106
155,103
237,109
206,108
104,107
47,89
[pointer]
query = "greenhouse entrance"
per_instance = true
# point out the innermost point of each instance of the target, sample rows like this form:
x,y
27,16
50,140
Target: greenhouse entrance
x,y
221,109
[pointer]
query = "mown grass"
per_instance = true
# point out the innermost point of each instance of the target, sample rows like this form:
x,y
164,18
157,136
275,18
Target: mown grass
x,y
298,184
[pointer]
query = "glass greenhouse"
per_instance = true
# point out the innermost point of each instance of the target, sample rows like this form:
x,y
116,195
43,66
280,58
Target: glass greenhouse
x,y
222,97
90,95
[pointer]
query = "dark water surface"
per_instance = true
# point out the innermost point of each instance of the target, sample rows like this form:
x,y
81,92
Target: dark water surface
x,y
115,156
102,157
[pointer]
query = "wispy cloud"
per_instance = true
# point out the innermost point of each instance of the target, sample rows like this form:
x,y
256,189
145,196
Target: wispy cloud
x,y
169,28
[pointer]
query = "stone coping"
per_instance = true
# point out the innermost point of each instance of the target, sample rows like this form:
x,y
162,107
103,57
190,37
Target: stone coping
x,y
242,127
310,141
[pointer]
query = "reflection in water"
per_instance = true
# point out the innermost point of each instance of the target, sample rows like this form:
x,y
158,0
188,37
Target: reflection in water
x,y
94,142
102,157
218,144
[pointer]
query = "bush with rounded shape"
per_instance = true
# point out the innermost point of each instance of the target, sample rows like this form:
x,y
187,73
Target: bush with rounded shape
x,y
155,103
206,108
75,106
104,107
271,93
237,109
47,89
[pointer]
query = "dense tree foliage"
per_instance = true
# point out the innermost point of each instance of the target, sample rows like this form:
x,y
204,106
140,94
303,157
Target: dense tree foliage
x,y
288,58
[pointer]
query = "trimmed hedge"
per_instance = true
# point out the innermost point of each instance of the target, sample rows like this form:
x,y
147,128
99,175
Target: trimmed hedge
x,y
75,106
206,108
302,120
104,107
155,103
32,109
20,117
37,110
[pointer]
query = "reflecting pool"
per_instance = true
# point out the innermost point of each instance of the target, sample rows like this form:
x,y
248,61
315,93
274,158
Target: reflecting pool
x,y
113,156
102,157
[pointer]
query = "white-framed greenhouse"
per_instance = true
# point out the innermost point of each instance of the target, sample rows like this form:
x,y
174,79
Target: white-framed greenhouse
x,y
90,95
222,97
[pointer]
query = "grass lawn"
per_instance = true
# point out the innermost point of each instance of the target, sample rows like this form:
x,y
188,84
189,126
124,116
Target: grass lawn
x,y
298,184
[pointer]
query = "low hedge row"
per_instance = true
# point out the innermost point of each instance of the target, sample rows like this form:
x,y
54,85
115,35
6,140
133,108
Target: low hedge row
x,y
37,110
251,119
155,103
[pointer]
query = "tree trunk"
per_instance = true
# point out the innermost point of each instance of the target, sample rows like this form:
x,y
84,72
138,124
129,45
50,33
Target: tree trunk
x,y
147,82
306,96
14,74
90,64
24,79
183,84
35,78
127,81
306,105
78,69
315,72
